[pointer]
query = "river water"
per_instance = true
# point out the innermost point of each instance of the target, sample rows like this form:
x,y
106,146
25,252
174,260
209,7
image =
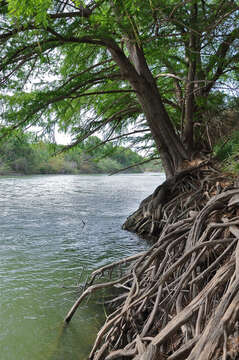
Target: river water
x,y
54,230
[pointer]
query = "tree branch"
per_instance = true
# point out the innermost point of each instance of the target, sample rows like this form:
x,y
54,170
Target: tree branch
x,y
101,93
136,164
85,71
219,58
84,12
115,116
117,137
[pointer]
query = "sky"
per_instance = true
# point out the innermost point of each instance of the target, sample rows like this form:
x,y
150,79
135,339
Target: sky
x,y
62,139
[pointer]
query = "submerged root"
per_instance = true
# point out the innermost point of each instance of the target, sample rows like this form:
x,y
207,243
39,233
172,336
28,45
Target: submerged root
x,y
180,298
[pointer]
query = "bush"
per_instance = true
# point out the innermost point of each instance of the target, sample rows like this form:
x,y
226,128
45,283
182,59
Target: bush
x,y
5,169
107,165
228,153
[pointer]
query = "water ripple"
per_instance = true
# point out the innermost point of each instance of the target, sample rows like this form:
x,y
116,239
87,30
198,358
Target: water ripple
x,y
54,231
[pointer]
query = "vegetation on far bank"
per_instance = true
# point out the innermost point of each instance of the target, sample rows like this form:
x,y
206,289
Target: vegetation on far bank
x,y
23,154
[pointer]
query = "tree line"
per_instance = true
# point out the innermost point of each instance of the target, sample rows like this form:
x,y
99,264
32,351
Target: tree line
x,y
24,154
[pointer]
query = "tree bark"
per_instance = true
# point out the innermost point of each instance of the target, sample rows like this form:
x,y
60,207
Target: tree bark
x,y
170,147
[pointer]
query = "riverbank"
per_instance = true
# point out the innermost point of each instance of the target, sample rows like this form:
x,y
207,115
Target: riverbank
x,y
136,171
186,285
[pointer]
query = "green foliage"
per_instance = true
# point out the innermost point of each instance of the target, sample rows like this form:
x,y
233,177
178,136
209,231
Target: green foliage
x,y
28,9
58,64
227,152
224,150
24,154
107,165
153,166
17,153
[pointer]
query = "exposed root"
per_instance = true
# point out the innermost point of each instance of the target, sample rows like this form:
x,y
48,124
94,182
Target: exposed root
x,y
180,298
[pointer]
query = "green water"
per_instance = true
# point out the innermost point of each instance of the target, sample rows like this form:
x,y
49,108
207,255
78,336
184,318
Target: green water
x,y
53,231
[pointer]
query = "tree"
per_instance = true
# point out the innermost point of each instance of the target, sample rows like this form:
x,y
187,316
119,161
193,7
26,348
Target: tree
x,y
17,153
157,64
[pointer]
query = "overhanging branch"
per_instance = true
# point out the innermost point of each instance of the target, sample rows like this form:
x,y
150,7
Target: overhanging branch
x,y
114,117
136,164
101,93
118,137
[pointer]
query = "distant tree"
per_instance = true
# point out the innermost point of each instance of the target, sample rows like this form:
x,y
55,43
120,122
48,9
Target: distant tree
x,y
18,153
105,64
25,154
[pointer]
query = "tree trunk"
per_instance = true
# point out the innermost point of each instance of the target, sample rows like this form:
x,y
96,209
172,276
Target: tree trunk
x,y
170,147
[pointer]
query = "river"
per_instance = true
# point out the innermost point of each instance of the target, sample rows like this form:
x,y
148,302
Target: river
x,y
54,230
